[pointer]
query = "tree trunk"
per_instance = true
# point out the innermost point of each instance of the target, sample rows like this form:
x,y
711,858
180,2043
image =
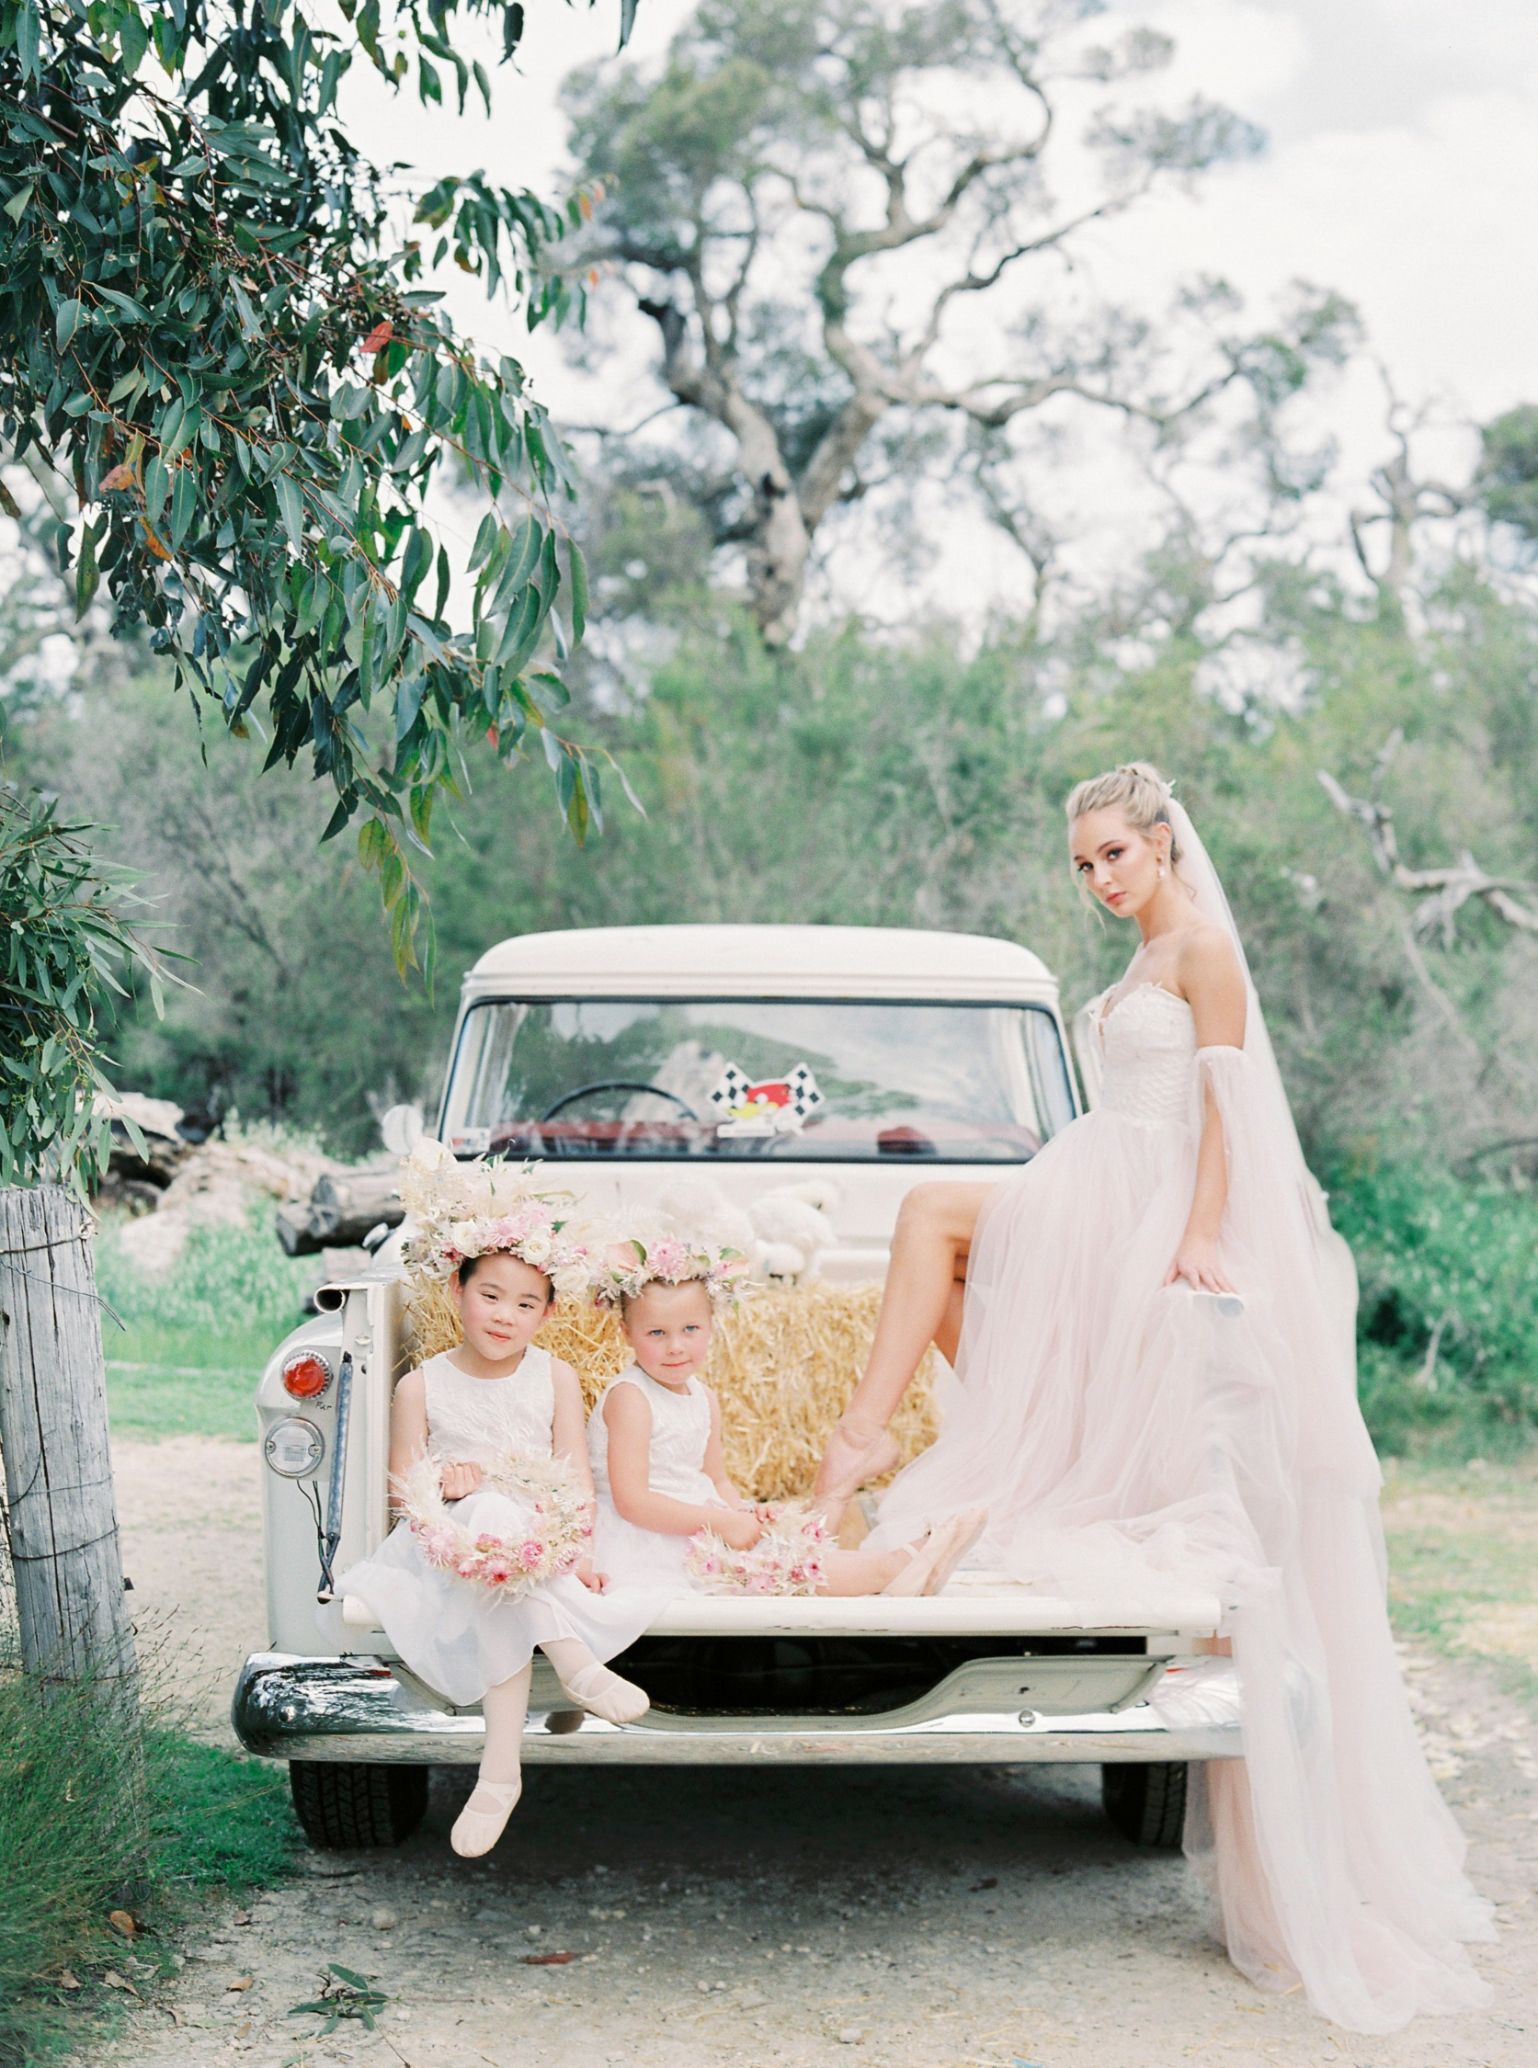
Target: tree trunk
x,y
53,1435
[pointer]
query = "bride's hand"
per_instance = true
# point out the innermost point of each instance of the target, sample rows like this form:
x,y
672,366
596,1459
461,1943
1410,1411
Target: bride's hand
x,y
1196,1264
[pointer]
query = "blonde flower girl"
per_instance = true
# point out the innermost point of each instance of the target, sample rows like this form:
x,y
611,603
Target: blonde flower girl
x,y
668,1515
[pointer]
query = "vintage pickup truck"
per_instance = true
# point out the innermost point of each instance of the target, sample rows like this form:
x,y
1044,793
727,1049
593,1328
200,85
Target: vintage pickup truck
x,y
758,1054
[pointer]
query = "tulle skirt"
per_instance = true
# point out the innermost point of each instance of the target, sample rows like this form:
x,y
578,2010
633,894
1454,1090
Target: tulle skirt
x,y
458,1635
1120,1431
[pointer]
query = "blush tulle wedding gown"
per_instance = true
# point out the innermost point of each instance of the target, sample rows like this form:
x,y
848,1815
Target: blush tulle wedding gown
x,y
1120,1430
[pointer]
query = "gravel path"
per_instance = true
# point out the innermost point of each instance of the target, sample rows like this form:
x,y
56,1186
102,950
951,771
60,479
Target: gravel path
x,y
935,1919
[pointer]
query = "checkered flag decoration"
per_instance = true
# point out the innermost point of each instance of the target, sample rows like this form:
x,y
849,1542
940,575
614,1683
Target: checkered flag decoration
x,y
732,1088
799,1100
805,1098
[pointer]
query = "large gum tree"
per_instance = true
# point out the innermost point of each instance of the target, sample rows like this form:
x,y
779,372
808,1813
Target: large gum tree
x,y
853,227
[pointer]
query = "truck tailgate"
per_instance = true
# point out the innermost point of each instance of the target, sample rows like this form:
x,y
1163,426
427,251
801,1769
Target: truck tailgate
x,y
975,1604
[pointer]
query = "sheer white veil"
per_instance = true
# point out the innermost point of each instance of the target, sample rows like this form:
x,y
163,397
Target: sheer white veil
x,y
1331,1844
1274,1191
1195,869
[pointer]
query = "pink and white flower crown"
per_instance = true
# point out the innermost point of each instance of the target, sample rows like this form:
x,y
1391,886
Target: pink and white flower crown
x,y
475,1209
622,1268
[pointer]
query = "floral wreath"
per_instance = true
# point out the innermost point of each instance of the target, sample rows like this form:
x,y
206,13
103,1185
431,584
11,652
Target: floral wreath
x,y
787,1559
477,1209
626,1267
554,1540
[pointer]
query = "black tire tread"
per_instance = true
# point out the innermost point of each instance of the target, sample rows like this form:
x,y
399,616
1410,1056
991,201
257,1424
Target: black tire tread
x,y
1146,1803
346,1806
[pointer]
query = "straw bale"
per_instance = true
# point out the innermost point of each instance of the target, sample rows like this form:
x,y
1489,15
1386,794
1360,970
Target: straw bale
x,y
783,1362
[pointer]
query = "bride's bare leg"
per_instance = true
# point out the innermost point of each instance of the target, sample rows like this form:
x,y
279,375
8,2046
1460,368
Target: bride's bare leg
x,y
921,1304
948,1334
928,1268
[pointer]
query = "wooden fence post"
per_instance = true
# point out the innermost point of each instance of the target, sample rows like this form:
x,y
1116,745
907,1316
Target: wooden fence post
x,y
53,1435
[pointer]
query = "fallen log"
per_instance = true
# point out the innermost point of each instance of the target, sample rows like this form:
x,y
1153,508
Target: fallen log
x,y
346,1204
294,1232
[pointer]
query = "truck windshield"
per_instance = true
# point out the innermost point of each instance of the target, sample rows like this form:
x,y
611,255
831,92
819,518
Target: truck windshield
x,y
844,1081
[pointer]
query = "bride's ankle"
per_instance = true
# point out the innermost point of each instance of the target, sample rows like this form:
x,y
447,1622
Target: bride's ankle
x,y
861,1430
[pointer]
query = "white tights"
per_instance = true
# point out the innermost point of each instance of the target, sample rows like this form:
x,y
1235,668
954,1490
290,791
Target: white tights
x,y
506,1709
506,1706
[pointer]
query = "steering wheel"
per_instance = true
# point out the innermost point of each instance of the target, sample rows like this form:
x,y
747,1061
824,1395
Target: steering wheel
x,y
613,1084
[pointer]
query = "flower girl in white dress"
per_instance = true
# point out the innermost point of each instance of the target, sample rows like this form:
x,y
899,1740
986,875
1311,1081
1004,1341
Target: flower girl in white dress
x,y
489,1466
669,1517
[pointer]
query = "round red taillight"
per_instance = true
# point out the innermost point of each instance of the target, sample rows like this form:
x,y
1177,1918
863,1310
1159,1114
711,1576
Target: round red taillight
x,y
306,1375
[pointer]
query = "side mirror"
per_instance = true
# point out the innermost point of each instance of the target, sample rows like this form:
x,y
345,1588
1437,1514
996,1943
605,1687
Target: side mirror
x,y
401,1128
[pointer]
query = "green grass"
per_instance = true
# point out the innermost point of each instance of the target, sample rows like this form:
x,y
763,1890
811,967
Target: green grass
x,y
194,1340
1463,1562
95,1818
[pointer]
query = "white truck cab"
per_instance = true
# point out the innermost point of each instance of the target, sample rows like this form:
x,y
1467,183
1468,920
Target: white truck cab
x,y
759,1056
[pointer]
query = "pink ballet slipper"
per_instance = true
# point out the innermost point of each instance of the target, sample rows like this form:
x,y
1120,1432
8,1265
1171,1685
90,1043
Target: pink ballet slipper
x,y
484,1817
607,1695
940,1553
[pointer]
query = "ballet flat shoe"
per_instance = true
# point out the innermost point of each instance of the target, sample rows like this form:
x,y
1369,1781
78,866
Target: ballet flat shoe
x,y
476,1831
940,1553
606,1694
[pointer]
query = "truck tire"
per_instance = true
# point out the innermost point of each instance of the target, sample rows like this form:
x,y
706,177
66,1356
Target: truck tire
x,y
344,1806
1146,1803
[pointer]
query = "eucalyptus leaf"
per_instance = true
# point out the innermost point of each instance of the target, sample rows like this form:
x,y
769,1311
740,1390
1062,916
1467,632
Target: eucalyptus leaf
x,y
288,384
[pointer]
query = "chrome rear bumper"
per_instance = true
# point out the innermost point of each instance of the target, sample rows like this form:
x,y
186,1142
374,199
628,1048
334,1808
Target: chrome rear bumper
x,y
287,1707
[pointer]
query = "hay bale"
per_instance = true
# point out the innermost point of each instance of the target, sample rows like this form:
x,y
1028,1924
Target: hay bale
x,y
783,1362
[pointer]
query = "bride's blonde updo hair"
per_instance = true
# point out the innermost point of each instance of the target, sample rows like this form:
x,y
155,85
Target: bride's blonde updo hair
x,y
1136,789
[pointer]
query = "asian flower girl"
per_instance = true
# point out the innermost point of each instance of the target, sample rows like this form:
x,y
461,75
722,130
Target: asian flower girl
x,y
490,1474
668,1516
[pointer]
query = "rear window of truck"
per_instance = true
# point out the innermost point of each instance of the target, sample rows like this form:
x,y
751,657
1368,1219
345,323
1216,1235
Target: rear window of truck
x,y
814,1081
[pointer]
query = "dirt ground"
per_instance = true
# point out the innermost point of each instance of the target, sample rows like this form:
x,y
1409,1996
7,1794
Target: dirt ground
x,y
932,1919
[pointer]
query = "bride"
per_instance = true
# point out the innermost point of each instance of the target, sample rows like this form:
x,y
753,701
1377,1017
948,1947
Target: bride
x,y
1152,1327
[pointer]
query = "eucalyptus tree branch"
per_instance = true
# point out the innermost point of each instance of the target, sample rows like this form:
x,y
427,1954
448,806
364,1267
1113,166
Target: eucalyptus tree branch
x,y
1011,49
1445,890
975,282
731,301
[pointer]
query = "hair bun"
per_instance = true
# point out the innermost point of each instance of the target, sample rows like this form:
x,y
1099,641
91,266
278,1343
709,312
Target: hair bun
x,y
1136,788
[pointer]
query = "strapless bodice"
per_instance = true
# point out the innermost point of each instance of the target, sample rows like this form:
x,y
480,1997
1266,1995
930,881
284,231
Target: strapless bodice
x,y
1148,1049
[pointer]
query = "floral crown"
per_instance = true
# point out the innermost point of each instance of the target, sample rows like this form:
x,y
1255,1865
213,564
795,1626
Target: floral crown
x,y
481,1209
623,1268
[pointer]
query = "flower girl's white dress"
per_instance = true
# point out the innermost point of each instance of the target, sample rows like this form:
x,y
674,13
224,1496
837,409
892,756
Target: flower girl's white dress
x,y
459,1635
653,1558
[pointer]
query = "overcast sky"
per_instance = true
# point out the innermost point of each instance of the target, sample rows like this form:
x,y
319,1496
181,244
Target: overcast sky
x,y
1401,167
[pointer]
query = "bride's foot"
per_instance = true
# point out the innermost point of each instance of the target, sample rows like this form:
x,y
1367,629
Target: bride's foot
x,y
940,1553
484,1817
605,1694
857,1451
